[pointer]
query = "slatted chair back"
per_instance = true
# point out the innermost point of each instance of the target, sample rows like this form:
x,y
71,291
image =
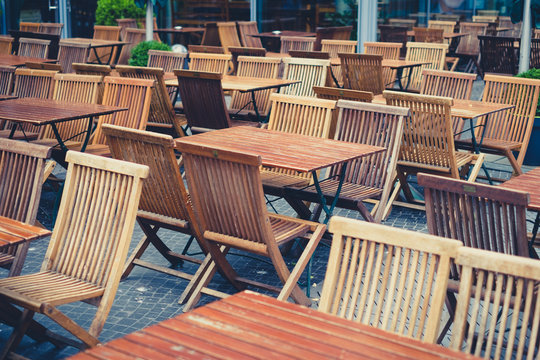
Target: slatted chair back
x,y
22,167
507,285
408,23
330,93
296,43
103,32
395,34
209,62
124,25
93,69
428,35
469,44
7,74
331,33
535,54
514,125
246,29
203,100
6,43
456,85
70,53
51,28
166,60
310,72
244,51
37,48
498,54
334,47
388,50
485,18
258,67
515,29
205,49
447,26
365,281
434,54
74,88
362,72
29,26
134,94
132,37
228,35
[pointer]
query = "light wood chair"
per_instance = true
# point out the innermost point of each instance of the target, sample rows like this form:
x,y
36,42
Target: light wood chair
x,y
103,32
434,54
132,37
334,47
205,49
239,219
7,74
124,25
508,131
166,60
296,43
428,35
162,115
228,35
366,282
21,177
370,177
331,93
498,306
499,54
408,23
70,53
310,72
362,72
388,50
29,26
258,67
6,43
469,45
447,26
247,28
87,249
93,69
210,62
456,85
244,51
37,48
51,28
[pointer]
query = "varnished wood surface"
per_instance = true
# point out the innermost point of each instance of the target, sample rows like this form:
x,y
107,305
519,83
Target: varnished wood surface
x,y
240,83
401,64
446,35
7,97
183,30
528,182
282,150
271,34
46,111
94,43
249,325
14,232
15,60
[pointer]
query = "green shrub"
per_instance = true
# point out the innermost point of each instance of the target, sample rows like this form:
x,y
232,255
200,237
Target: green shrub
x,y
108,11
532,74
139,54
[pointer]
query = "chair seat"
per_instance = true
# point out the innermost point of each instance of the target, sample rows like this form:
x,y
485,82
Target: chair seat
x,y
47,288
349,191
19,135
164,221
6,259
490,144
462,158
98,149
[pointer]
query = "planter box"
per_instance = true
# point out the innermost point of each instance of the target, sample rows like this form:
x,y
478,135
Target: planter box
x,y
532,157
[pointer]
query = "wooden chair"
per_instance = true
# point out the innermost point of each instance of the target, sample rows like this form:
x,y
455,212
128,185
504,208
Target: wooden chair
x,y
331,33
124,25
21,177
310,72
244,51
296,43
6,79
449,17
206,49
433,53
388,50
258,67
247,28
362,72
239,219
365,279
228,35
535,54
166,60
428,35
86,252
93,69
506,22
6,43
498,55
36,48
132,37
408,23
446,26
508,131
485,18
428,141
309,54
331,93
51,28
70,53
395,34
29,26
334,47
370,177
103,32
456,85
162,115
209,62
469,46
43,66
507,285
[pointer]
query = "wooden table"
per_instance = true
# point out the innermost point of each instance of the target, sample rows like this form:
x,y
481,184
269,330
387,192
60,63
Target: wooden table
x,y
7,97
99,43
183,31
287,151
15,60
272,40
13,232
254,326
399,66
446,35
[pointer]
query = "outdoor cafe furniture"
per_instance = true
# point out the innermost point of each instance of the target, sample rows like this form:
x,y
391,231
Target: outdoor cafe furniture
x,y
103,32
86,252
5,44
362,72
210,62
181,34
233,328
395,34
272,40
389,51
115,47
51,28
306,73
54,40
30,47
6,79
244,51
234,214
72,52
167,60
228,35
131,38
296,43
432,53
331,93
246,29
499,54
469,46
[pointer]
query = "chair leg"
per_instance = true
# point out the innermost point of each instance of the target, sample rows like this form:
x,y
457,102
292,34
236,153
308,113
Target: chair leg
x,y
17,334
450,302
87,339
513,162
137,253
476,168
391,199
18,261
402,177
364,212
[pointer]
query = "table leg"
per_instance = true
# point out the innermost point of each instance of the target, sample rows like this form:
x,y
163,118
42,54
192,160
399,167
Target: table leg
x,y
399,74
329,210
476,146
334,78
255,106
12,132
88,132
533,237
63,146
97,56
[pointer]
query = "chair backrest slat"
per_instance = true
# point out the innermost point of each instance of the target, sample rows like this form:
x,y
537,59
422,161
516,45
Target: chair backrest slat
x,y
470,44
37,48
362,72
310,72
51,28
7,74
6,43
334,47
432,53
209,62
296,43
167,60
388,50
103,32
70,53
29,26
244,51
228,35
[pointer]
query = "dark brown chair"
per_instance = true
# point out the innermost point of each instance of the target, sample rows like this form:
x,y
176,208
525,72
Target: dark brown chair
x,y
428,35
331,93
498,54
246,29
362,72
394,34
244,51
333,33
535,54
309,54
6,79
70,53
206,49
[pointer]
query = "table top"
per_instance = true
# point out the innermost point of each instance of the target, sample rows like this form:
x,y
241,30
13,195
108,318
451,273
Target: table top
x,y
241,83
182,30
95,43
271,34
401,64
13,232
528,182
248,325
15,60
446,35
45,111
282,150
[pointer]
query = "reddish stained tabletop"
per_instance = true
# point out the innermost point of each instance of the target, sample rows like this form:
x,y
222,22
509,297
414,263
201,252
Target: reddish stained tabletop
x,y
528,182
15,60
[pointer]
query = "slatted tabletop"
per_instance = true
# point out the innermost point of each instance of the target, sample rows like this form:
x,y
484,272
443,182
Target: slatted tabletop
x,y
282,150
94,43
528,182
241,83
181,30
250,326
13,232
15,60
279,34
446,35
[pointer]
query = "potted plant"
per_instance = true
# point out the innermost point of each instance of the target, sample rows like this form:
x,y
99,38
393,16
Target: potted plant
x,y
532,157
139,54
